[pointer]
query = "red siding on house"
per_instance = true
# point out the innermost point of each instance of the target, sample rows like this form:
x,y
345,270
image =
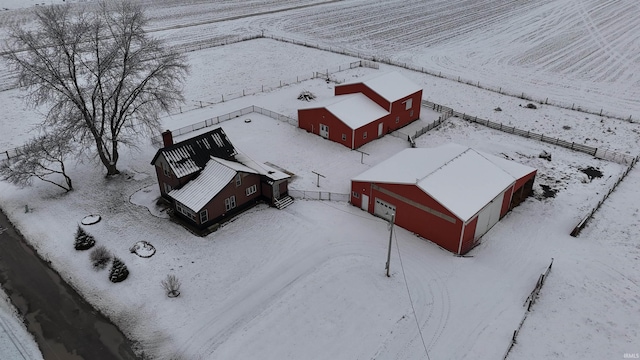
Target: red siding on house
x,y
171,180
216,207
362,88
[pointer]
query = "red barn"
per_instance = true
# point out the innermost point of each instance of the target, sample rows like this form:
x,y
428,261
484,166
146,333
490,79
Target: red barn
x,y
364,111
451,195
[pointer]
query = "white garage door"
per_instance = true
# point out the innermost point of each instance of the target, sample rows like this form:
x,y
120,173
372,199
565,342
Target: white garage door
x,y
489,216
384,209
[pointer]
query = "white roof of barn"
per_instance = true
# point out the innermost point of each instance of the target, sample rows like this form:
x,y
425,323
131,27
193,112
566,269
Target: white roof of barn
x,y
461,179
355,110
391,86
217,173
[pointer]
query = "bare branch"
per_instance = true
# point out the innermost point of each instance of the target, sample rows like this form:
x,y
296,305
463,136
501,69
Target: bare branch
x,y
105,81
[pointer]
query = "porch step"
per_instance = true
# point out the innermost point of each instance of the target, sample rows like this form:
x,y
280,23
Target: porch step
x,y
284,202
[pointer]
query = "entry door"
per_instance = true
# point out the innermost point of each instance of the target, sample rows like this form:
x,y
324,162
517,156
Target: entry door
x,y
324,131
380,128
276,190
365,203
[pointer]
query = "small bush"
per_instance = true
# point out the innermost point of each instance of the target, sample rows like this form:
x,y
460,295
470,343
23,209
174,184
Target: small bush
x,y
100,257
172,285
84,241
119,271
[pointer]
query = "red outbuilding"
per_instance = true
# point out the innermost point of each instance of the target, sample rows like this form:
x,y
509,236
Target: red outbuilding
x,y
364,111
451,194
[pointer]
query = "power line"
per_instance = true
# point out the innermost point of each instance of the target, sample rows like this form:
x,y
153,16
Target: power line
x,y
411,300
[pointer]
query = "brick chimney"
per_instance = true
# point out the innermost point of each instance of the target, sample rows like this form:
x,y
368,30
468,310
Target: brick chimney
x,y
167,138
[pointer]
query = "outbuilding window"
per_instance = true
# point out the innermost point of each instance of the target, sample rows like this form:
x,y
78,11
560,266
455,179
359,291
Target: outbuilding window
x,y
344,137
364,135
408,104
397,119
356,195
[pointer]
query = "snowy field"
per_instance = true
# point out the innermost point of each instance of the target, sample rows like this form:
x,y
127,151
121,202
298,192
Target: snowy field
x,y
308,281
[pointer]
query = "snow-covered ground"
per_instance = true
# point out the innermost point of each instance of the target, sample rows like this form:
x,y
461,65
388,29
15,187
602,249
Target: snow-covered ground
x,y
308,281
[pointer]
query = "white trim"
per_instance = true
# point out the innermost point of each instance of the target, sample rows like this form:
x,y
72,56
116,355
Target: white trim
x,y
206,216
464,225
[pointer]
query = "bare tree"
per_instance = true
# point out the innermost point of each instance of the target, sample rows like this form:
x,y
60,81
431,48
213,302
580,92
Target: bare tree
x,y
41,157
104,79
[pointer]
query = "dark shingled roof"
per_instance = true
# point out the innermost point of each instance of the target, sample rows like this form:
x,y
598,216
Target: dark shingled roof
x,y
191,155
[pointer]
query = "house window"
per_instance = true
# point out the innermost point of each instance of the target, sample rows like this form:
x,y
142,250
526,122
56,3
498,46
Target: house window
x,y
364,135
408,104
344,137
165,170
238,180
204,216
355,194
251,190
230,203
185,211
397,119
167,188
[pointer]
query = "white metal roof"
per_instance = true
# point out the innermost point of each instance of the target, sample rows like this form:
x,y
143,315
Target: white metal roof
x,y
262,169
356,110
391,86
237,166
463,180
180,161
198,192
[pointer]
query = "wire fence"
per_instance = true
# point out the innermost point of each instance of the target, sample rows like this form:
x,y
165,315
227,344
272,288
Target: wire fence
x,y
323,74
576,230
531,299
319,195
446,113
157,140
604,154
500,90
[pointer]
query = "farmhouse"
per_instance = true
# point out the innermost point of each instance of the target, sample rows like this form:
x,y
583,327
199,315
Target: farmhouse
x,y
363,111
206,179
451,194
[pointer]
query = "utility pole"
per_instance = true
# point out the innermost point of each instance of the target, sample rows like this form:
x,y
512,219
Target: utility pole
x,y
390,238
318,179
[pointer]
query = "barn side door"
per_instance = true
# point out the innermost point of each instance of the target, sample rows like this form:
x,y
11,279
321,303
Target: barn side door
x,y
324,131
380,129
489,216
365,203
